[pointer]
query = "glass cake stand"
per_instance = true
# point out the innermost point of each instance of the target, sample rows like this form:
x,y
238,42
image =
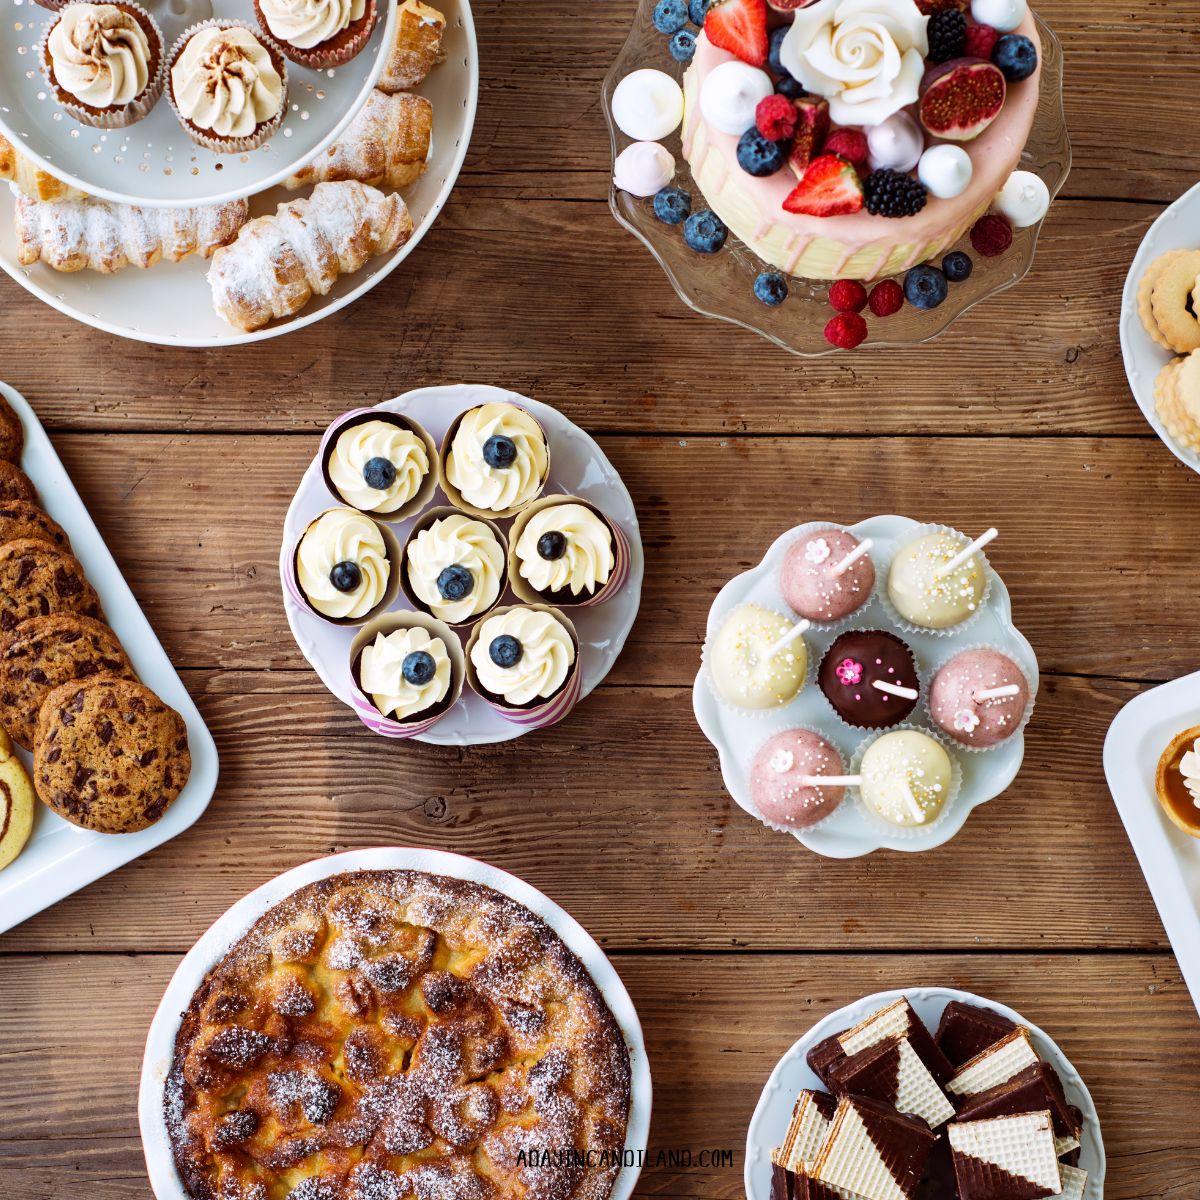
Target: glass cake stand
x,y
722,285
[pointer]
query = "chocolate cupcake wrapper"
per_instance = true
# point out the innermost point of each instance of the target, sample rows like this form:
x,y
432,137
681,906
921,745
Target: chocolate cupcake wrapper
x,y
554,709
854,618
621,556
336,52
795,830
455,496
908,626
364,707
358,416
924,678
953,742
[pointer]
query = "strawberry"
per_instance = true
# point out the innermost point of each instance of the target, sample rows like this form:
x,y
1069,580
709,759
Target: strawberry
x,y
739,26
830,188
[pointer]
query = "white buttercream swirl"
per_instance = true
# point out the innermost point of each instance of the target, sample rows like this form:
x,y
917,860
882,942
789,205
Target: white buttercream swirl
x,y
497,489
866,57
1189,768
224,81
586,563
356,446
381,672
343,535
461,541
308,23
547,656
100,54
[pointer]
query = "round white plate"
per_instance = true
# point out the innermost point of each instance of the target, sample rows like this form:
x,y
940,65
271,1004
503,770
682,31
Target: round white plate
x,y
1177,228
171,304
792,1074
154,161
847,833
577,467
207,952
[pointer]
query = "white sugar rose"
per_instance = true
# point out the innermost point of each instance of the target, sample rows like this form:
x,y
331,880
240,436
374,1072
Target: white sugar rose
x,y
865,56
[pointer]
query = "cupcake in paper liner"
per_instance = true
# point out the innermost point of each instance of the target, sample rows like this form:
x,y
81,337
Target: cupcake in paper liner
x,y
319,34
227,85
495,460
455,567
742,670
908,781
407,671
345,568
564,551
382,463
811,582
970,698
781,779
921,597
104,63
870,679
524,661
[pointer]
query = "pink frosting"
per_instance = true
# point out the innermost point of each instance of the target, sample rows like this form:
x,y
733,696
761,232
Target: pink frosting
x,y
953,705
775,786
809,585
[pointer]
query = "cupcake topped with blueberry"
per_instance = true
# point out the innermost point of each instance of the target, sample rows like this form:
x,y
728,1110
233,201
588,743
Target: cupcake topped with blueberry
x,y
454,567
380,463
407,673
522,657
496,460
563,552
343,566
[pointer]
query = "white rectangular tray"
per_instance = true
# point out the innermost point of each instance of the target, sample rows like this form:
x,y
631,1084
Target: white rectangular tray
x,y
1169,859
61,858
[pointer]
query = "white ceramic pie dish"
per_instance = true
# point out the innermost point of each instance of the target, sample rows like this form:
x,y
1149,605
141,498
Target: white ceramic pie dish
x,y
792,1074
207,952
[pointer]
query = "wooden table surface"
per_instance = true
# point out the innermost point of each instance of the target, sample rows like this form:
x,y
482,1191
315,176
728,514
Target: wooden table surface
x,y
731,938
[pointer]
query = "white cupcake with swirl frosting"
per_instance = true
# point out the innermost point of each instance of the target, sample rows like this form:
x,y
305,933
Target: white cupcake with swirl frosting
x,y
522,658
495,460
454,566
563,551
344,567
382,463
319,34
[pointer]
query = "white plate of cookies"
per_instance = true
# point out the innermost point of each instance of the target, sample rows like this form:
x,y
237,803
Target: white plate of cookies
x,y
1160,327
91,631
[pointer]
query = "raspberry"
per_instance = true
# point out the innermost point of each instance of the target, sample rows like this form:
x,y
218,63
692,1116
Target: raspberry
x,y
991,235
886,298
776,117
981,41
848,296
850,144
846,330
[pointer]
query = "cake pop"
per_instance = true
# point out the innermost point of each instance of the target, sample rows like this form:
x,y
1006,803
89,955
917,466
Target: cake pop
x,y
758,658
906,778
784,778
870,678
939,580
979,697
827,574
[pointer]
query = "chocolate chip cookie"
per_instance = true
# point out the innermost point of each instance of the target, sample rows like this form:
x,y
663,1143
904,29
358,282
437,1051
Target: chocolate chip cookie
x,y
44,653
12,436
38,578
24,519
109,754
14,483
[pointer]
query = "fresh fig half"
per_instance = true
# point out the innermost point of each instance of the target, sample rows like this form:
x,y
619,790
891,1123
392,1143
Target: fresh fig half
x,y
961,98
786,6
812,124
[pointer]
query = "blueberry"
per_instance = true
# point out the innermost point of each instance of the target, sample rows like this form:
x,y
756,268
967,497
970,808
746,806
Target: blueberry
x,y
698,10
793,89
499,451
670,16
552,545
771,288
1016,56
345,576
672,205
455,583
925,287
958,266
418,667
379,473
705,232
758,155
774,46
683,46
505,651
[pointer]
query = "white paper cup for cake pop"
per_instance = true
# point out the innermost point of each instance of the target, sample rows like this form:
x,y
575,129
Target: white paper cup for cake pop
x,y
365,708
927,692
825,737
456,497
798,534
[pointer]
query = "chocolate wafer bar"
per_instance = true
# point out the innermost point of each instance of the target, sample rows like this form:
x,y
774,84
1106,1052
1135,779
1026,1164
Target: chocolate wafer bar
x,y
873,1152
1074,1183
807,1129
783,1182
1005,1158
896,1020
996,1065
891,1071
966,1030
1035,1089
808,1188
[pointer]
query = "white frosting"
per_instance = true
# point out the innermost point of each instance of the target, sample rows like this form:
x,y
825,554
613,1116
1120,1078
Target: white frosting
x,y
866,57
359,444
647,105
224,81
1004,15
895,144
308,23
1024,199
945,171
99,54
586,563
460,541
342,535
547,656
906,777
497,489
644,168
1189,768
730,95
381,672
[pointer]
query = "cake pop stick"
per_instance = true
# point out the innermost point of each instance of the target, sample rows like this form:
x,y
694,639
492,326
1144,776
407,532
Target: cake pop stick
x,y
997,693
830,780
913,807
961,557
800,627
862,548
895,689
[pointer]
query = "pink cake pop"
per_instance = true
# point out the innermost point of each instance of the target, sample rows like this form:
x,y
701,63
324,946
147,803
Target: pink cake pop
x,y
818,581
781,779
979,697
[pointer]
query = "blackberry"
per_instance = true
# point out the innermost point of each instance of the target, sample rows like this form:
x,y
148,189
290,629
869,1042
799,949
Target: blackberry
x,y
893,194
947,35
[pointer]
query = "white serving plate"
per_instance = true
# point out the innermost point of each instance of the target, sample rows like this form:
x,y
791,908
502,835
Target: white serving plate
x,y
1177,228
154,161
204,955
171,303
792,1074
1169,859
61,858
577,466
847,833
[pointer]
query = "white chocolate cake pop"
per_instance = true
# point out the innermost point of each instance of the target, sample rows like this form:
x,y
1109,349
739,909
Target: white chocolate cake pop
x,y
748,670
906,778
928,589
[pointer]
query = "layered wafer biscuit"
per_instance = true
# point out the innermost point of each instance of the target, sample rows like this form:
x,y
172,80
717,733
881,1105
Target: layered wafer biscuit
x,y
996,1065
807,1130
1004,1157
873,1152
891,1072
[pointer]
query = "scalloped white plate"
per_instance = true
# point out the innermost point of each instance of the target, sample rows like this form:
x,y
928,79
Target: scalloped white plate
x,y
577,466
792,1074
204,955
846,833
